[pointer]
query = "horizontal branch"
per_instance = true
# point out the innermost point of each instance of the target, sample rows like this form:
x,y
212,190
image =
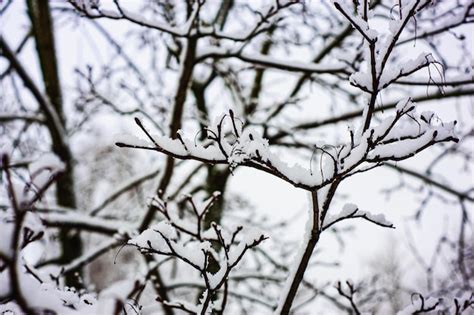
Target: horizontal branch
x,y
432,83
238,295
25,117
358,113
91,255
269,62
85,222
123,189
456,21
430,181
52,118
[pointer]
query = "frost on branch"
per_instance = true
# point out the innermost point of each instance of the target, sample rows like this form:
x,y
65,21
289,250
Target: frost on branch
x,y
21,231
351,211
380,45
370,143
395,138
231,146
23,287
213,253
420,305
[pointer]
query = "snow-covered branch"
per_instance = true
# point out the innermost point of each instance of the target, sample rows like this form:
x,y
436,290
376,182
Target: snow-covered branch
x,y
188,243
351,211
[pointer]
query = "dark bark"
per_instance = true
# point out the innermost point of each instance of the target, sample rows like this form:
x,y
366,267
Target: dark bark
x,y
258,80
303,263
187,65
43,33
216,181
216,177
176,120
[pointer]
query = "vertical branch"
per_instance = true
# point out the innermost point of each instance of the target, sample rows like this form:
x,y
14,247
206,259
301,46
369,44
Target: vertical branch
x,y
42,26
293,282
16,292
187,64
15,261
462,245
216,177
375,86
259,72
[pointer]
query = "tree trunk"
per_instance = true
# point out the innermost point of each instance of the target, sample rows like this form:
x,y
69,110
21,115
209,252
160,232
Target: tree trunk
x,y
43,33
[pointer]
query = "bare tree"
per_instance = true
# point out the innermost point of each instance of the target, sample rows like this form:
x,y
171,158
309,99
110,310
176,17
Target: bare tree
x,y
309,93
